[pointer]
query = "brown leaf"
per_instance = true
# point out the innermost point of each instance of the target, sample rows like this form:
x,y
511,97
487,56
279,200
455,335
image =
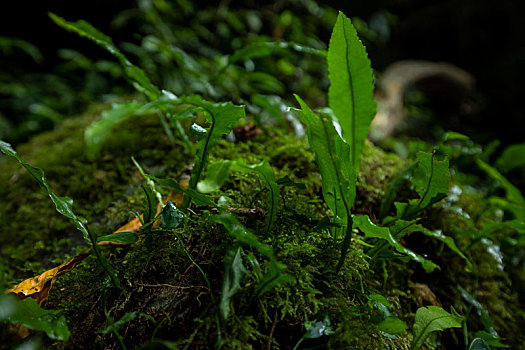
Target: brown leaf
x,y
38,287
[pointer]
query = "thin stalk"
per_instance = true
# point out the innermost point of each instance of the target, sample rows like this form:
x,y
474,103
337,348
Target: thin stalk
x,y
187,143
346,242
196,173
167,128
102,260
194,263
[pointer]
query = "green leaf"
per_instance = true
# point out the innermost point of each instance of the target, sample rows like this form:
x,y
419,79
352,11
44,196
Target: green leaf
x,y
7,149
479,344
64,206
120,237
373,231
198,130
171,217
515,201
432,319
218,172
379,299
234,270
332,155
150,207
267,48
392,325
115,326
273,105
337,174
490,339
216,175
491,226
274,276
431,180
222,117
448,241
394,187
238,231
84,29
481,311
317,329
96,133
512,157
265,172
286,181
27,312
351,92
199,198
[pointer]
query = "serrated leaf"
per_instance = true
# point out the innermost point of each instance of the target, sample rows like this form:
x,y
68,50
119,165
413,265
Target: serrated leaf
x,y
333,157
431,179
351,92
432,319
373,231
337,174
222,117
171,217
28,313
512,157
234,270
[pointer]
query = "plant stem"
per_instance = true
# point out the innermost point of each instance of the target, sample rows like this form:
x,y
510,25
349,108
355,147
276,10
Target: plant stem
x,y
194,263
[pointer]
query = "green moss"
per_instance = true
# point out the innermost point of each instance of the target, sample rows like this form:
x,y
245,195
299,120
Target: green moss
x,y
168,291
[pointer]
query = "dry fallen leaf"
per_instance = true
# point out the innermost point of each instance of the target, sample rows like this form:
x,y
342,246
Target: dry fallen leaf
x,y
38,287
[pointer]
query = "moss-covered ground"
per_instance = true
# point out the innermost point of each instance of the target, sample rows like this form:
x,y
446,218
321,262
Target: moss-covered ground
x,y
175,308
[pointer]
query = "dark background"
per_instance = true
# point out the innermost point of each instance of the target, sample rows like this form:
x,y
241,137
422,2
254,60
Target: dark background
x,y
486,38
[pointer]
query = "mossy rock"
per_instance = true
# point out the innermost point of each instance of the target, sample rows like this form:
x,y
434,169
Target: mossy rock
x,y
166,291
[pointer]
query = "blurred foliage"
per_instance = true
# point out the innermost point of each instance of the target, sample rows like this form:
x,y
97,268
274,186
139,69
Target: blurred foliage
x,y
221,52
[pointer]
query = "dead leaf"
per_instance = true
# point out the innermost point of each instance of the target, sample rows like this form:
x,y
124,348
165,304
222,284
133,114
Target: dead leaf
x,y
38,287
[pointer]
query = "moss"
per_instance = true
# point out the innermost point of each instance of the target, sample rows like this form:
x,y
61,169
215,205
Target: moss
x,y
169,293
96,187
